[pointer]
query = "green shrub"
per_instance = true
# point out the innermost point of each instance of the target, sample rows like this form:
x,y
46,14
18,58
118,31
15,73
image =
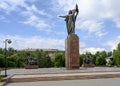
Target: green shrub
x,y
59,60
11,64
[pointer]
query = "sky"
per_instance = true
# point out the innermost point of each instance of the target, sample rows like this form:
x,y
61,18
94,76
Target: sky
x,y
36,24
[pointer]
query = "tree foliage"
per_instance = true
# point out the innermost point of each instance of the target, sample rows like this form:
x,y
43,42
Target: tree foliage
x,y
101,58
2,60
59,60
116,56
82,56
43,58
17,58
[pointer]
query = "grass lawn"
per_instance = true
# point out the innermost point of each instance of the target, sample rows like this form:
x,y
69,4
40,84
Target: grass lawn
x,y
1,78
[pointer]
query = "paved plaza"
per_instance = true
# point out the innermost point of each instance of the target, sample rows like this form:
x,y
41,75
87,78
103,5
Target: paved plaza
x,y
48,76
60,70
88,82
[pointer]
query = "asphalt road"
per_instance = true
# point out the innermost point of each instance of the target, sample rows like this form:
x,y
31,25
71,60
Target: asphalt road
x,y
88,82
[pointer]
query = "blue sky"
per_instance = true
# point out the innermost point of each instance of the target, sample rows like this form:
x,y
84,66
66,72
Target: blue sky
x,y
35,24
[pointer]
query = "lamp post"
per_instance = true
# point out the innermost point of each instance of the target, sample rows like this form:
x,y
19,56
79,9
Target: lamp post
x,y
6,41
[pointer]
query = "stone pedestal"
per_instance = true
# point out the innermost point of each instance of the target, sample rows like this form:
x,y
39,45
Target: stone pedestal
x,y
72,52
88,65
31,67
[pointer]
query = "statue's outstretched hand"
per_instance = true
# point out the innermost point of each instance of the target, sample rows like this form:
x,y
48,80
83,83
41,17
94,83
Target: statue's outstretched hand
x,y
62,16
77,8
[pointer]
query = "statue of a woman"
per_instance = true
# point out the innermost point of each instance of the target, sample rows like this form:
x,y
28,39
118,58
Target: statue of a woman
x,y
70,19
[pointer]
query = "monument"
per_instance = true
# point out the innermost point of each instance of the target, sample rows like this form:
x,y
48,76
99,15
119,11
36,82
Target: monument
x,y
31,63
72,41
88,62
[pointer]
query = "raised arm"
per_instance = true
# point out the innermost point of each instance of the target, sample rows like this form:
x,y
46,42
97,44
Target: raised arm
x,y
77,10
63,16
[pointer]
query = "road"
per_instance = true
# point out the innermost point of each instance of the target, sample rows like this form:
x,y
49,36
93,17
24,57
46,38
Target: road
x,y
87,82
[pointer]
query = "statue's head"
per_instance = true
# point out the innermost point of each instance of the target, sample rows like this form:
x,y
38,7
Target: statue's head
x,y
70,12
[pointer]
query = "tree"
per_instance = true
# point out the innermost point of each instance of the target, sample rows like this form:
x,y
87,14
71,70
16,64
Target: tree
x,y
12,61
2,60
116,56
11,51
100,58
103,54
59,60
99,61
16,58
1,51
81,58
118,47
109,54
48,61
97,54
20,62
43,59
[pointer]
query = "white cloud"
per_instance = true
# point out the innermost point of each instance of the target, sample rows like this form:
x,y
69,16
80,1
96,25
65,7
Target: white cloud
x,y
4,5
82,45
84,48
28,12
93,10
113,10
113,43
34,9
93,27
117,22
36,22
93,50
19,42
32,42
11,5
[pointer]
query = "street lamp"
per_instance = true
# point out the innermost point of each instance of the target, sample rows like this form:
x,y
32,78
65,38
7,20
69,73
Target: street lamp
x,y
6,41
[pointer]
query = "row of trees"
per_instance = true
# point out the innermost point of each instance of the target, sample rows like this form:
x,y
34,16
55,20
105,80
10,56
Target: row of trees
x,y
99,58
17,58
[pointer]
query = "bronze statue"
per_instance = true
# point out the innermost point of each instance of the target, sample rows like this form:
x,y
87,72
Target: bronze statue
x,y
70,19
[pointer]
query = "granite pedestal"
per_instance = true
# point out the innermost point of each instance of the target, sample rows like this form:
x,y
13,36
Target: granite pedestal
x,y
72,52
88,65
31,67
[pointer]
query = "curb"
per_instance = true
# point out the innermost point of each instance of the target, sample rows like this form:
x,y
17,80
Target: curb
x,y
55,77
6,80
3,83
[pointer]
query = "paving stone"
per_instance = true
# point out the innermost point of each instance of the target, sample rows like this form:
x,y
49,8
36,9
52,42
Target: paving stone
x,y
59,70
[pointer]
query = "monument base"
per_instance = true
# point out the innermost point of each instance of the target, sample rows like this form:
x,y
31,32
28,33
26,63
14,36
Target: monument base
x,y
88,65
31,67
72,60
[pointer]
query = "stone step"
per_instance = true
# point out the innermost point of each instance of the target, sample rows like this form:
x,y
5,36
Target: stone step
x,y
65,76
